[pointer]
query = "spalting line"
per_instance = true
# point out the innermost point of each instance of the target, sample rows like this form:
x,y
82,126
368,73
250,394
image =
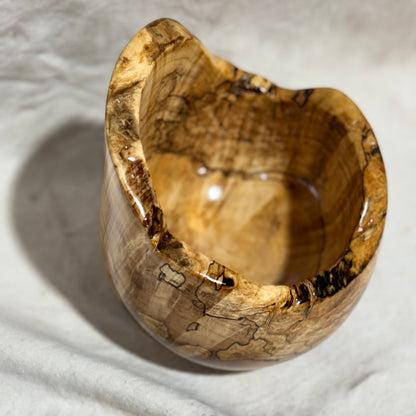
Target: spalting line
x,y
302,96
170,276
193,326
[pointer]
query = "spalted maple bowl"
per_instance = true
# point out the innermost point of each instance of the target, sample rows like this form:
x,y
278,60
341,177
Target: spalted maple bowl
x,y
240,221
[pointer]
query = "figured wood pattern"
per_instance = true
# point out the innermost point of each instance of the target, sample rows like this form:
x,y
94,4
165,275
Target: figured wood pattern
x,y
239,220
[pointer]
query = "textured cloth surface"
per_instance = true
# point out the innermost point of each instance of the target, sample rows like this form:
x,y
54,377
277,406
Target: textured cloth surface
x,y
67,346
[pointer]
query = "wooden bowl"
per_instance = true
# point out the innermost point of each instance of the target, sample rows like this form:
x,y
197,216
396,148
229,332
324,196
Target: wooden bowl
x,y
240,221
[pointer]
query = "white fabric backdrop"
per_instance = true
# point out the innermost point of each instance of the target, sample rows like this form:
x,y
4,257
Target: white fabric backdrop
x,y
67,347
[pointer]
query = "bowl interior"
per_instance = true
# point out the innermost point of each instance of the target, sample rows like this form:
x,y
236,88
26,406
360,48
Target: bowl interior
x,y
257,181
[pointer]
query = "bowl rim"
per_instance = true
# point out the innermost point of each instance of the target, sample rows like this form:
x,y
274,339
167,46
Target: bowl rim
x,y
133,68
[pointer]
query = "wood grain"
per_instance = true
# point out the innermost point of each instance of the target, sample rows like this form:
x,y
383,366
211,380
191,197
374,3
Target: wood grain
x,y
240,221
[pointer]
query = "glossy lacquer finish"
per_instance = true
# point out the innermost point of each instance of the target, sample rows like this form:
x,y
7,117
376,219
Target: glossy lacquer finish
x,y
239,220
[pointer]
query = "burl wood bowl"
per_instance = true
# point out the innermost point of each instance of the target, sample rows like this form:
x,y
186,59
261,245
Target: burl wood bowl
x,y
240,221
